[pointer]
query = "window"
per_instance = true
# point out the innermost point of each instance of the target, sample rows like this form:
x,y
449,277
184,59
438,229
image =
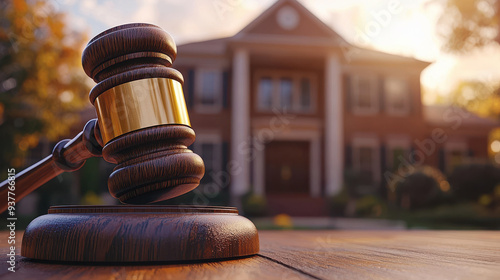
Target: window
x,y
286,93
209,148
456,157
397,97
266,93
366,161
455,154
208,90
291,91
396,158
398,150
305,94
364,94
365,167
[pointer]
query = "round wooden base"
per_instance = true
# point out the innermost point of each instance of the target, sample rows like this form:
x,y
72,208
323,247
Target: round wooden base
x,y
139,234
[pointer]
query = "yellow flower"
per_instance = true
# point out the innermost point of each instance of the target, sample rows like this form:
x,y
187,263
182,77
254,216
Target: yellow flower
x,y
283,220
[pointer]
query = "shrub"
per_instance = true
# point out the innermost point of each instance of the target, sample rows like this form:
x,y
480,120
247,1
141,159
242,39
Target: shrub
x,y
470,181
338,203
419,188
254,205
356,197
370,206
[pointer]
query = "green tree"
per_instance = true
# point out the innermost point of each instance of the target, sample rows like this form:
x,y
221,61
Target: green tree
x,y
480,97
468,24
42,85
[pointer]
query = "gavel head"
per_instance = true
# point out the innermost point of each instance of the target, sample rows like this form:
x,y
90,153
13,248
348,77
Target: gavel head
x,y
142,115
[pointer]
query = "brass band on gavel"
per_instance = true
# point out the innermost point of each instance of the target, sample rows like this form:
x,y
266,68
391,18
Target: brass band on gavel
x,y
139,104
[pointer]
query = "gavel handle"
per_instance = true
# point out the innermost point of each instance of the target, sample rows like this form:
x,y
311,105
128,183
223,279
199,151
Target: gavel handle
x,y
68,155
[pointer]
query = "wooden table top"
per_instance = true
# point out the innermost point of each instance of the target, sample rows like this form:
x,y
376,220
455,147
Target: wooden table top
x,y
291,255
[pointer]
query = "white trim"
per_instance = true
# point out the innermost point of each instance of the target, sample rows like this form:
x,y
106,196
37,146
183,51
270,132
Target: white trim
x,y
388,105
355,92
370,142
314,139
292,41
203,108
456,145
312,123
399,142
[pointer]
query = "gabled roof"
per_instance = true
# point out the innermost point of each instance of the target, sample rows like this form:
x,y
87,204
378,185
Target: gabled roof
x,y
310,32
308,26
359,53
214,46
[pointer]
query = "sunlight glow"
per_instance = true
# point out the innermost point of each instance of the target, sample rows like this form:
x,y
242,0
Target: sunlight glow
x,y
495,146
402,27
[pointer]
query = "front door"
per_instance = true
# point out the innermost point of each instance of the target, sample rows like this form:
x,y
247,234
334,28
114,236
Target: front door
x,y
287,167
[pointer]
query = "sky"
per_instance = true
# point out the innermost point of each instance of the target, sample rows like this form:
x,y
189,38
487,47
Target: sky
x,y
411,31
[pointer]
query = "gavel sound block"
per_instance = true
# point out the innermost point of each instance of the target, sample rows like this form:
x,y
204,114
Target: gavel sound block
x,y
144,128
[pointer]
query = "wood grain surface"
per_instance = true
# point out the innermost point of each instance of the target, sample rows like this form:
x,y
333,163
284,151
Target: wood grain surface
x,y
387,254
294,255
145,233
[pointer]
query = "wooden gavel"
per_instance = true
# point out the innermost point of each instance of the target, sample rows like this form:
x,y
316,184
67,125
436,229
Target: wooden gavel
x,y
142,126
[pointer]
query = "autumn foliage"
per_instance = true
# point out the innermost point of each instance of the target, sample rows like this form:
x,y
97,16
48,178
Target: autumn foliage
x,y
42,85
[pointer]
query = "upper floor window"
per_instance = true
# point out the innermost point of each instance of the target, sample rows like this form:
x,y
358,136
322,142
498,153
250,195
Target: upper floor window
x,y
292,92
208,94
364,94
286,93
265,94
397,97
305,94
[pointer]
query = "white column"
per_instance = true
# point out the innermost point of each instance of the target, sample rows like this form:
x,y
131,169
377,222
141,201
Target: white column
x,y
334,152
240,124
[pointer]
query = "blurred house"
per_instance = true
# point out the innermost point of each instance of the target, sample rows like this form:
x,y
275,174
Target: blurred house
x,y
286,106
